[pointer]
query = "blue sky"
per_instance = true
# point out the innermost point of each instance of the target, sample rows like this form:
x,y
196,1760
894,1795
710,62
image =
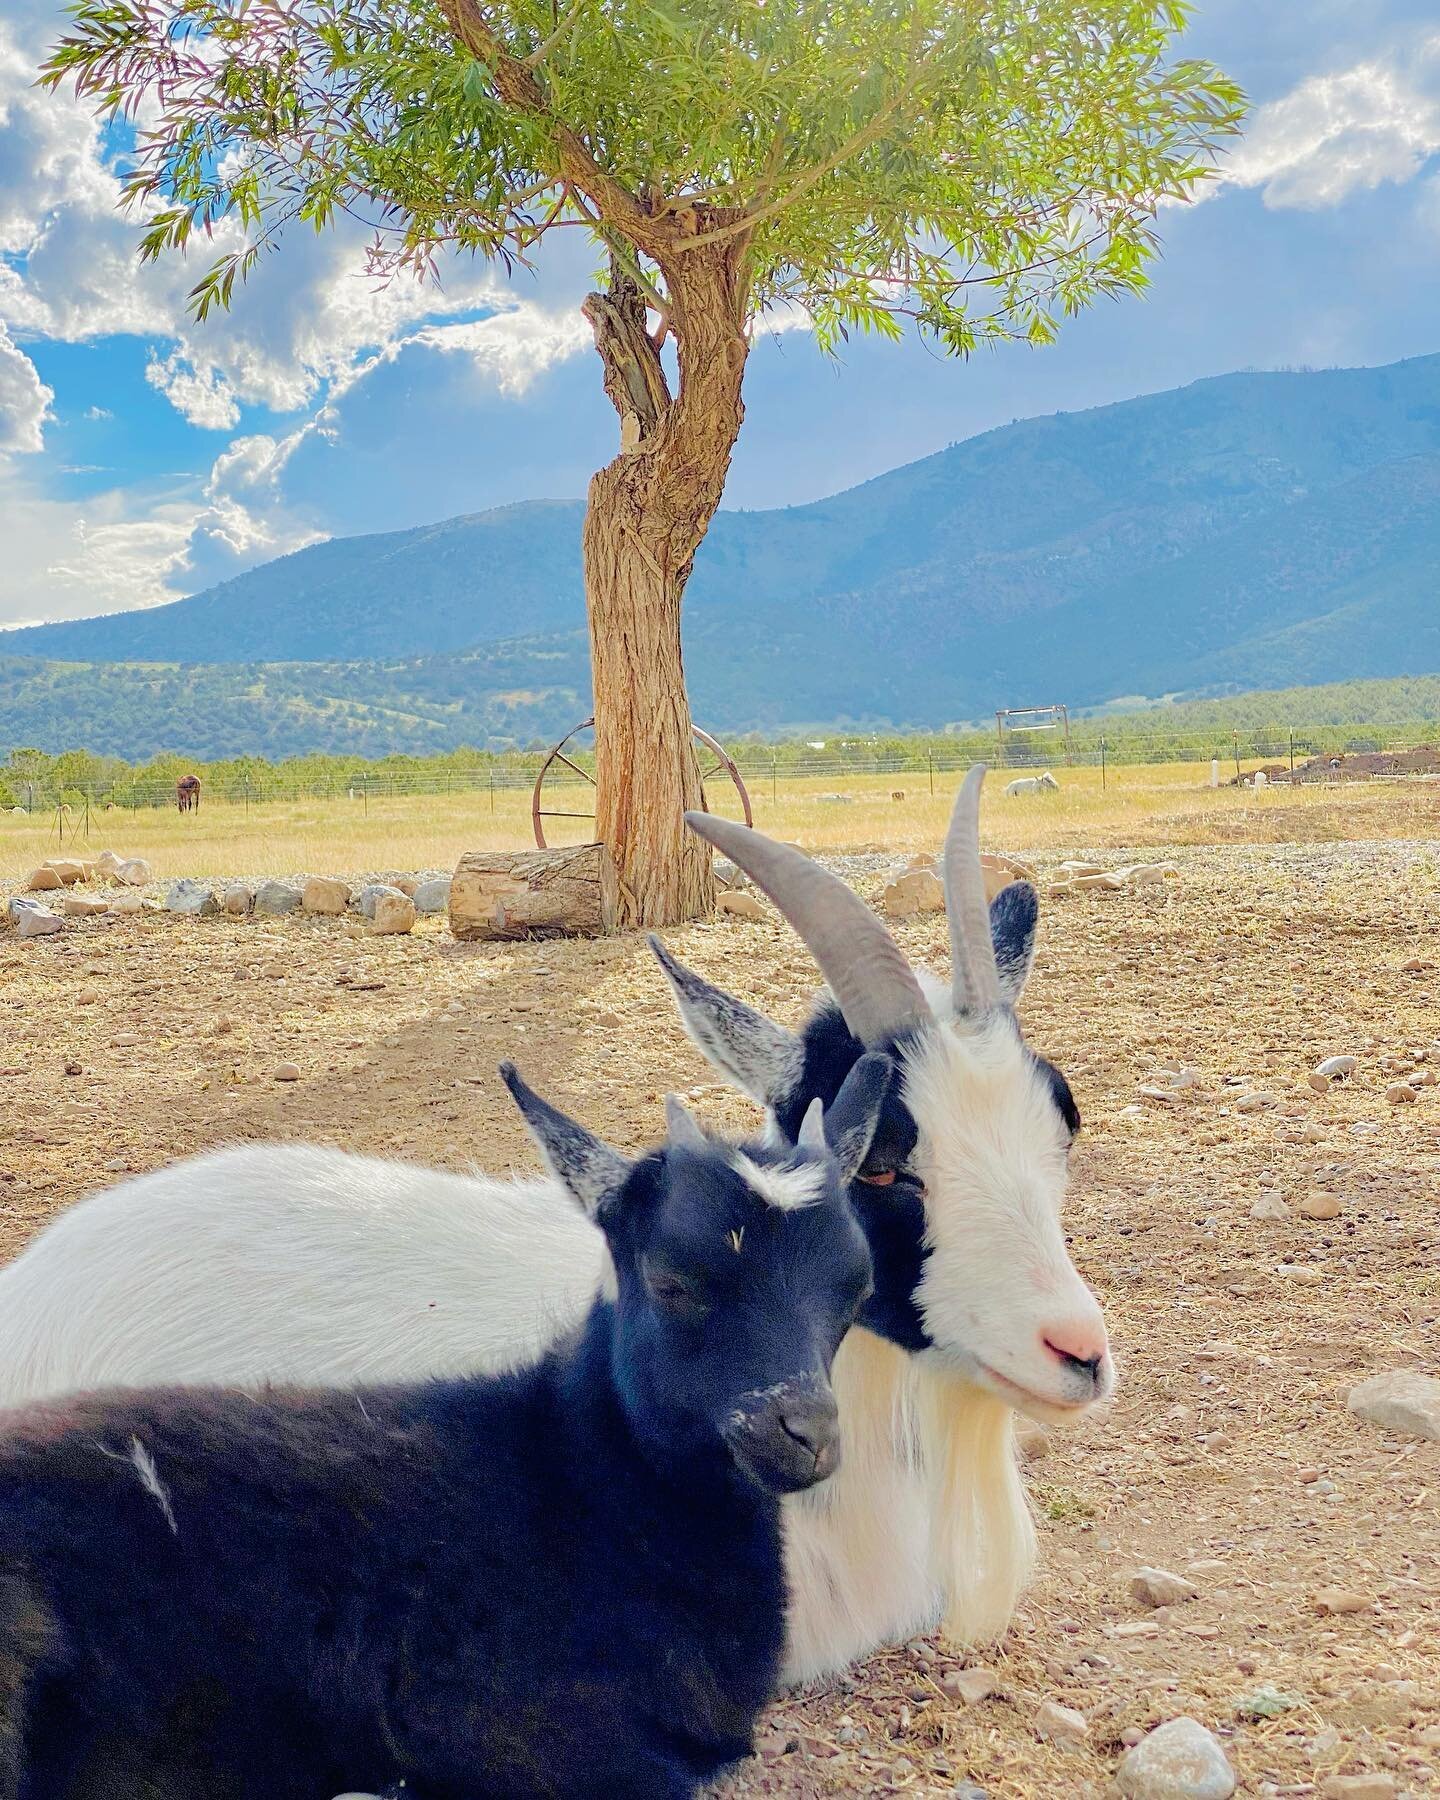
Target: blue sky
x,y
143,457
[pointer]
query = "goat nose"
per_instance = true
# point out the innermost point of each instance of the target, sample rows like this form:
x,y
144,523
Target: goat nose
x,y
812,1421
1079,1347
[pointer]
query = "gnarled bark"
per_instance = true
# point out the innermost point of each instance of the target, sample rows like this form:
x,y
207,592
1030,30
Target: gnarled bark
x,y
648,512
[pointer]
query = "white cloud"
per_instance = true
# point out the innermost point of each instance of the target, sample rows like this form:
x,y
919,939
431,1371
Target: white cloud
x,y
24,399
1340,134
204,397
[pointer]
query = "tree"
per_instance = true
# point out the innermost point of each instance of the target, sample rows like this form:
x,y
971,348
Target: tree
x,y
978,169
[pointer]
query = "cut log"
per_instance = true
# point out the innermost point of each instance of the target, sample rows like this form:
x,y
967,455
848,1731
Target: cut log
x,y
534,893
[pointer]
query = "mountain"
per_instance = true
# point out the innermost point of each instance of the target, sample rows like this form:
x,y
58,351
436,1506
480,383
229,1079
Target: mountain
x,y
1261,528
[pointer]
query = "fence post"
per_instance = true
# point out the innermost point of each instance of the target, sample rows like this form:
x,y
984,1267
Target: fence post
x,y
1102,765
930,758
1292,752
365,793
774,778
1235,735
492,787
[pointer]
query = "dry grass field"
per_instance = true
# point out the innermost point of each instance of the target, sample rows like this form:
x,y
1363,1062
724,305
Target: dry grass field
x,y
1229,1453
1137,806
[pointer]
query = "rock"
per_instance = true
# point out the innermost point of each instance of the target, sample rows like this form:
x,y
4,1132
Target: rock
x,y
1358,1787
1104,884
1258,1100
125,1040
394,914
42,880
919,891
1399,1400
84,906
33,919
1269,1206
1158,1587
971,1686
967,1790
1061,1725
1331,1602
1179,1760
1031,1440
743,906
1415,966
999,871
370,897
729,875
325,895
128,903
239,898
1320,1083
69,870
106,863
1071,868
407,885
194,898
276,897
1337,1067
135,873
1400,1094
287,1072
432,896
1319,1206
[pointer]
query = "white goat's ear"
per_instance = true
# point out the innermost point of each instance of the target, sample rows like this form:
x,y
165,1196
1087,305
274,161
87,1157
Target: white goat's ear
x,y
761,1058
1014,921
681,1127
586,1167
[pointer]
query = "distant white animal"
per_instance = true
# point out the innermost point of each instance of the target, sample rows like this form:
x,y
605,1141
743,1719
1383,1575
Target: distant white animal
x,y
1033,784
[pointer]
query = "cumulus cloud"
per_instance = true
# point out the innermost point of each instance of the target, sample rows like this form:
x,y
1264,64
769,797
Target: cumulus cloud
x,y
24,399
1344,133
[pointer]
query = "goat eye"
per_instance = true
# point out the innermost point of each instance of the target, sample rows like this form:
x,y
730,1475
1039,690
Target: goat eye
x,y
673,1292
880,1178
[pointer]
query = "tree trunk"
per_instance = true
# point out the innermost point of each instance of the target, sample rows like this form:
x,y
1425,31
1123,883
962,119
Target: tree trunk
x,y
533,893
648,512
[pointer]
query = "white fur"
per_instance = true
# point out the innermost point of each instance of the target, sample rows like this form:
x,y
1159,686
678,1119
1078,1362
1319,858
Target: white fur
x,y
296,1263
785,1189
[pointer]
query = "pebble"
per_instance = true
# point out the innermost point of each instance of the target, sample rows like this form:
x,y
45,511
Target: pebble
x,y
1061,1725
967,1790
1319,1206
971,1686
276,898
84,906
743,906
1270,1206
124,1040
1337,1067
1332,1601
287,1072
1320,1083
432,896
1399,1400
195,899
1400,1094
1258,1101
371,896
1179,1760
238,899
33,919
1159,1587
1358,1787
325,895
394,914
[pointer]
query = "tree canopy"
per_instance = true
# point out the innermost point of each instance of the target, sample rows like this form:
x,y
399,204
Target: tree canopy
x,y
978,167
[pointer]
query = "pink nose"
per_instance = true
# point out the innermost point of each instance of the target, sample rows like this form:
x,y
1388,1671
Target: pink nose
x,y
1077,1345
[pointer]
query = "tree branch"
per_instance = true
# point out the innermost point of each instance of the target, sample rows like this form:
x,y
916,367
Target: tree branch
x,y
541,51
633,373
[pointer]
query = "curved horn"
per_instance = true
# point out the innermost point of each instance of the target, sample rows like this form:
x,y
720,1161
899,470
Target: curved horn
x,y
869,977
974,977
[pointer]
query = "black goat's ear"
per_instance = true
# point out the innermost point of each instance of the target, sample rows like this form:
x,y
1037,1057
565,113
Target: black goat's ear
x,y
1014,922
762,1058
853,1115
588,1168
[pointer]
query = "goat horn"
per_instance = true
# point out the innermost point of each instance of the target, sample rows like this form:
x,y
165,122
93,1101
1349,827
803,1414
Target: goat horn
x,y
974,978
872,983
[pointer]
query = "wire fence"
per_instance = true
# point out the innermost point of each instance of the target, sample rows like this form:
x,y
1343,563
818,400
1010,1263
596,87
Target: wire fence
x,y
1318,753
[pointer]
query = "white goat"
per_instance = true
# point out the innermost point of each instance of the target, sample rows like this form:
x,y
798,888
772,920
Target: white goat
x,y
294,1263
1033,784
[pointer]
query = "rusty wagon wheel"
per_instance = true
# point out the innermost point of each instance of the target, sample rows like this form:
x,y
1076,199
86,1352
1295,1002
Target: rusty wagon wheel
x,y
724,764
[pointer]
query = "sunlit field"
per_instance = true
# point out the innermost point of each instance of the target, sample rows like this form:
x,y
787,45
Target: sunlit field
x,y
1134,807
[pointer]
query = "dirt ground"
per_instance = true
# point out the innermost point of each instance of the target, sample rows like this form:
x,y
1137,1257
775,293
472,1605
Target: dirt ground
x,y
1229,1453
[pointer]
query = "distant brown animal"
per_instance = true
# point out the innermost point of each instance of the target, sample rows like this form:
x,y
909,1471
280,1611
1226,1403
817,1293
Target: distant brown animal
x,y
187,793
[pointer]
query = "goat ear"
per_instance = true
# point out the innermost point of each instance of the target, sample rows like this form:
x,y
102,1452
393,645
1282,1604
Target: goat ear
x,y
812,1127
588,1168
1014,920
680,1125
852,1117
761,1058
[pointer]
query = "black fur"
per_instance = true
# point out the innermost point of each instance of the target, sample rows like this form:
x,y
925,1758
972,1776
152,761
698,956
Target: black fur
x,y
560,1582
